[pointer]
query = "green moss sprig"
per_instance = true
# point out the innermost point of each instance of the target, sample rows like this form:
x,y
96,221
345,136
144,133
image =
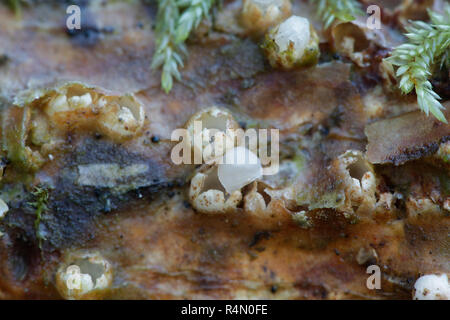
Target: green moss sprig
x,y
174,22
40,195
428,47
342,10
15,6
195,11
168,54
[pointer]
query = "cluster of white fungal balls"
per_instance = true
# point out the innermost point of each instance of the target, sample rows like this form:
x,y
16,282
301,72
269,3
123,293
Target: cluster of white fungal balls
x,y
76,105
84,275
216,187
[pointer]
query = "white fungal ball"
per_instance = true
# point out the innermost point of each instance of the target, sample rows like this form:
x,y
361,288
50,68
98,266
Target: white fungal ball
x,y
57,104
207,196
121,119
259,15
83,101
292,43
86,276
240,167
75,280
294,30
432,287
210,132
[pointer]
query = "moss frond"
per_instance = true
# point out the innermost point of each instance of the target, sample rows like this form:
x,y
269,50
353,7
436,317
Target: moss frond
x,y
174,22
342,10
428,46
40,195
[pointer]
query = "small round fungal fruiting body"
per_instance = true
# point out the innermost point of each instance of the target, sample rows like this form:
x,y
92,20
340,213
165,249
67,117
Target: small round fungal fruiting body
x,y
75,105
207,132
84,275
240,167
259,15
432,287
206,194
219,188
293,43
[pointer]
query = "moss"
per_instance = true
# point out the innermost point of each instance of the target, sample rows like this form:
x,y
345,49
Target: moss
x,y
72,210
15,6
40,204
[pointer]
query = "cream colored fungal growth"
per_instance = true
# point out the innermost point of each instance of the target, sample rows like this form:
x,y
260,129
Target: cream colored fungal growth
x,y
358,181
273,195
292,43
15,123
122,118
259,15
38,122
207,195
233,172
84,275
352,39
239,168
418,206
432,287
78,106
218,188
237,184
262,201
208,135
